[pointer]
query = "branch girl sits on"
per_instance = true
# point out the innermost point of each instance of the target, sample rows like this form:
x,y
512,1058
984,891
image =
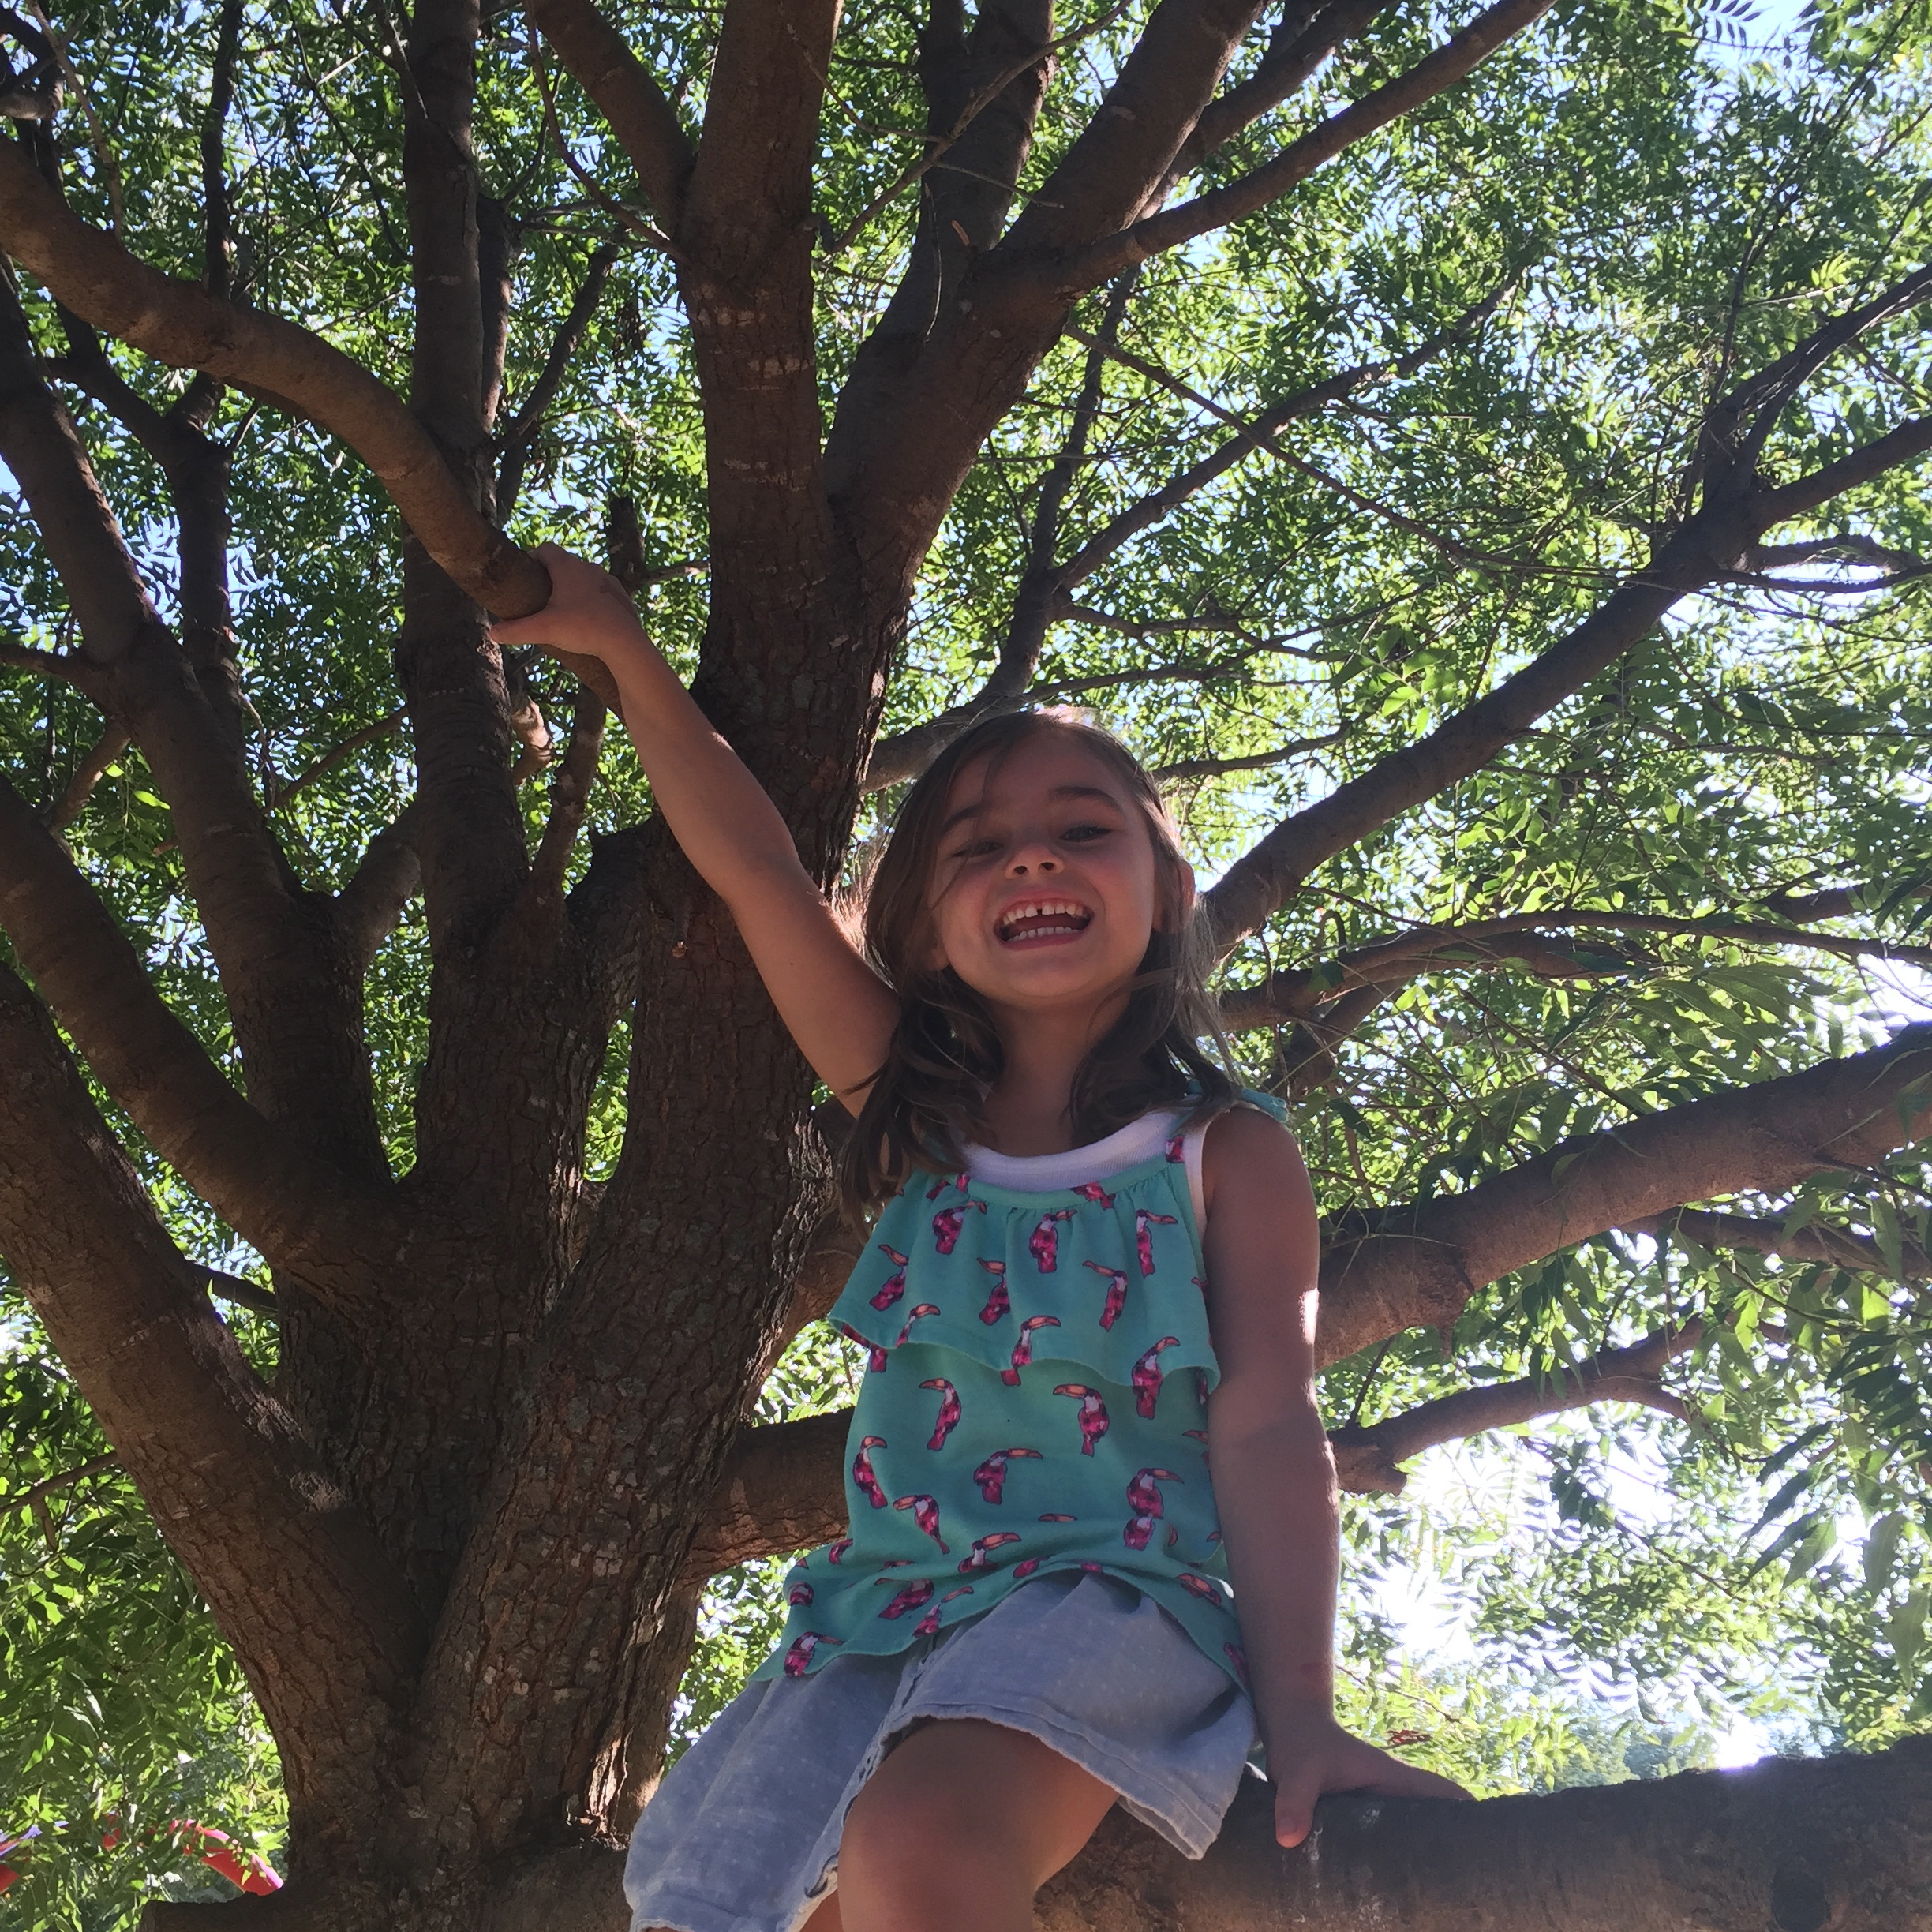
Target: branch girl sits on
x,y
1094,1254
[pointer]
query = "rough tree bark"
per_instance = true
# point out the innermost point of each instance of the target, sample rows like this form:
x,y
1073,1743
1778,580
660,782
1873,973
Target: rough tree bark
x,y
503,1448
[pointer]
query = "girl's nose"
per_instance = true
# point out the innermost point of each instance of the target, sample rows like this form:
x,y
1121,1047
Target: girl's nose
x,y
1030,861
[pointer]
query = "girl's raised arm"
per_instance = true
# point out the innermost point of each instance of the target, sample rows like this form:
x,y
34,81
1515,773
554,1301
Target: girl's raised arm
x,y
839,1010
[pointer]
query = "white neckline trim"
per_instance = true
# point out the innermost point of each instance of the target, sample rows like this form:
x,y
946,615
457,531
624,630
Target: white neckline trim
x,y
1138,1140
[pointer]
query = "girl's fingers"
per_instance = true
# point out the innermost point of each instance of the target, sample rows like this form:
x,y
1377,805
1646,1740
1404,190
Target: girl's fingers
x,y
1294,1811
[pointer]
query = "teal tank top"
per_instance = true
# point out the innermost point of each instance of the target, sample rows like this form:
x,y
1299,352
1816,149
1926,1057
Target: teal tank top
x,y
1035,1402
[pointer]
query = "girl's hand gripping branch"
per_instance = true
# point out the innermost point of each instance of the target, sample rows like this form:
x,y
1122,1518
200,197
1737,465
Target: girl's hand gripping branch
x,y
838,1010
1274,1476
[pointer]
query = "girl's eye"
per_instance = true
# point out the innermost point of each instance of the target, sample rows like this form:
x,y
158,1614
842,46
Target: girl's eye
x,y
977,848
1085,834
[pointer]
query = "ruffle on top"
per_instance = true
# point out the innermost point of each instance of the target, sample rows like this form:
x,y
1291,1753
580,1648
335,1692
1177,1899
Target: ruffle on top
x,y
1089,1278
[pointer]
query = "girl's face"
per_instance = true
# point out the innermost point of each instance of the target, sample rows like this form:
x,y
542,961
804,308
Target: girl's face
x,y
1045,891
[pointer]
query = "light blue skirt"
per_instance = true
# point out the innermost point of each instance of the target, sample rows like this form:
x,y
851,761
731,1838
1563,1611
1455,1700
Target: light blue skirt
x,y
743,1835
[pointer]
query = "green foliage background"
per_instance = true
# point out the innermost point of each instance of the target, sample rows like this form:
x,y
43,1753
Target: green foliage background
x,y
1658,195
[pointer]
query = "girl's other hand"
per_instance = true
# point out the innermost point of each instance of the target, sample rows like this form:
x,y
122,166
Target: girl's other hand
x,y
1315,1756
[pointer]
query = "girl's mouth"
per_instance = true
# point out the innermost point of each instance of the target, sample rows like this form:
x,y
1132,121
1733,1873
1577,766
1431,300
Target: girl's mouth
x,y
1041,919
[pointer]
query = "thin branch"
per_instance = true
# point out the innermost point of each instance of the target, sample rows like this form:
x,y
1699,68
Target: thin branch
x,y
783,1487
514,443
187,327
341,755
1306,37
1816,1240
87,774
599,59
939,145
570,796
217,247
1433,75
645,231
1366,1458
243,1292
97,135
1255,433
1911,438
1388,964
1254,760
36,1494
70,668
1738,426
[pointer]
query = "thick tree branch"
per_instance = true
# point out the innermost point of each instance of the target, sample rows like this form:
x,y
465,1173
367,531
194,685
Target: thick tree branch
x,y
1366,1458
324,1628
187,327
747,225
291,1206
1435,74
389,875
646,124
1124,151
1417,1265
1790,1845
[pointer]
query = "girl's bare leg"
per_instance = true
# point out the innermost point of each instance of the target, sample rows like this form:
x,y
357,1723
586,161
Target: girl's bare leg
x,y
957,1829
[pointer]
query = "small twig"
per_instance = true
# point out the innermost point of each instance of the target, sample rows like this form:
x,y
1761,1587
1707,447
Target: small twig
x,y
103,155
35,1496
1254,760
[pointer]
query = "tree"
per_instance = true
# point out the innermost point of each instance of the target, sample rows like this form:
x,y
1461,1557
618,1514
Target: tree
x,y
1483,455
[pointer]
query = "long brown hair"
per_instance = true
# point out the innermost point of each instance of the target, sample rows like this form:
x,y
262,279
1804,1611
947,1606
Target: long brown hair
x,y
928,1100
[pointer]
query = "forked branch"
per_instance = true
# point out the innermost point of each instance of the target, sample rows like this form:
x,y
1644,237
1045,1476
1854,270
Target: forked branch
x,y
294,1209
1435,74
187,327
1366,1458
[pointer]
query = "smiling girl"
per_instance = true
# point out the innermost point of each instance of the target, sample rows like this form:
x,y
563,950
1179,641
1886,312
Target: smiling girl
x,y
1094,1253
